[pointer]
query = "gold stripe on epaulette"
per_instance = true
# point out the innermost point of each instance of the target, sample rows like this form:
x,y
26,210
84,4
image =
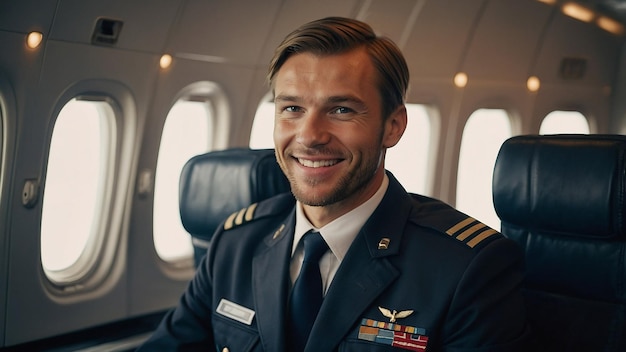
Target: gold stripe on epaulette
x,y
451,231
230,221
472,230
250,212
476,240
239,217
469,228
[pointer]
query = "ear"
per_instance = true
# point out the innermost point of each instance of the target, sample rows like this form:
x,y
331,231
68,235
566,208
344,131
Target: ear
x,y
394,127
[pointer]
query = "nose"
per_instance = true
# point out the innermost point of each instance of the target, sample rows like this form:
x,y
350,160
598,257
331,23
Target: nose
x,y
313,130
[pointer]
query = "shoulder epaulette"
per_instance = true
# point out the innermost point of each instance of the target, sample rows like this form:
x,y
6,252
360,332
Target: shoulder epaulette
x,y
268,207
443,218
470,231
239,217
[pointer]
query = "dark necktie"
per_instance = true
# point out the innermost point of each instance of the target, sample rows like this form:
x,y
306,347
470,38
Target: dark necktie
x,y
307,294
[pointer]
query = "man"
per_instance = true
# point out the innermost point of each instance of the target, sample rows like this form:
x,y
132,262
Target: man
x,y
402,272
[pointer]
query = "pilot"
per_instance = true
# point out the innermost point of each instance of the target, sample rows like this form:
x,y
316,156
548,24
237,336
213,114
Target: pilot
x,y
348,261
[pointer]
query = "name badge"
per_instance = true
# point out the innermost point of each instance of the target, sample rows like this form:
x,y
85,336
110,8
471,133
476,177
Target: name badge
x,y
235,311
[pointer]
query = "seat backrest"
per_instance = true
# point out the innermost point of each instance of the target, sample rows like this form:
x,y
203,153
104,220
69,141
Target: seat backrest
x,y
562,198
218,183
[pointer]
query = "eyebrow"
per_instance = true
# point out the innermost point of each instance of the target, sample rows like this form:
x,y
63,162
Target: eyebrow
x,y
330,100
348,99
286,98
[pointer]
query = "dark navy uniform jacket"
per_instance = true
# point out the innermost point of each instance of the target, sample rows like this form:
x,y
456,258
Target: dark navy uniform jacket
x,y
460,279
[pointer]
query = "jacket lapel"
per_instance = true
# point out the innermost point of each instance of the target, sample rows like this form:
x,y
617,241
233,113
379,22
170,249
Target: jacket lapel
x,y
365,272
270,285
353,289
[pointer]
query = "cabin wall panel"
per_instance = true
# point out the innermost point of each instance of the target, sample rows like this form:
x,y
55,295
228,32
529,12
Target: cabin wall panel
x,y
19,73
7,116
19,65
149,274
35,312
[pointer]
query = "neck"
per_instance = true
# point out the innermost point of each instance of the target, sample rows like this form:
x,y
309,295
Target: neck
x,y
322,215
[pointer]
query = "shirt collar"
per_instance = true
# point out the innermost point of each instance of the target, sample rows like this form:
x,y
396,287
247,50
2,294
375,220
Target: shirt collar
x,y
340,232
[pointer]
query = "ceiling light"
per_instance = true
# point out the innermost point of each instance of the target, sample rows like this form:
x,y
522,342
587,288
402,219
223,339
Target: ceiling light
x,y
533,83
166,61
34,39
460,80
610,25
578,12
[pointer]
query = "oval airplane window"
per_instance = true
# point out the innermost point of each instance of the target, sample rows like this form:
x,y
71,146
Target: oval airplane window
x,y
484,133
186,133
408,160
564,122
262,133
75,188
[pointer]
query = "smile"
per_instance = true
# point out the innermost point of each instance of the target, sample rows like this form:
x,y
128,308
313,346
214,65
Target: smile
x,y
317,163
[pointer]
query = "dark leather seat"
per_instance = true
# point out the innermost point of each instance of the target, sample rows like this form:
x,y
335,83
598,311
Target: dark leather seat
x,y
562,198
216,184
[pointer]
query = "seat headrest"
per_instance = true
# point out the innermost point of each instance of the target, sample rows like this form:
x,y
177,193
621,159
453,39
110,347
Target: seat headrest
x,y
569,184
216,184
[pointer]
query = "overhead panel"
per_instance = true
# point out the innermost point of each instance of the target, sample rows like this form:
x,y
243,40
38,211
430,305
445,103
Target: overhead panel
x,y
390,18
505,39
588,43
223,31
26,15
435,44
142,28
293,13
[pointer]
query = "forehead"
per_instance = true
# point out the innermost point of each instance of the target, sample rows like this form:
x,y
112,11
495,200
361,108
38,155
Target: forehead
x,y
349,70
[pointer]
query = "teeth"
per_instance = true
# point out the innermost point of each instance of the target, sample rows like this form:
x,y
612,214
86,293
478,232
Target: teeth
x,y
317,163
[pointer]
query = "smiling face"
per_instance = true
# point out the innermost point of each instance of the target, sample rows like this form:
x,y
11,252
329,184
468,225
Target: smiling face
x,y
330,135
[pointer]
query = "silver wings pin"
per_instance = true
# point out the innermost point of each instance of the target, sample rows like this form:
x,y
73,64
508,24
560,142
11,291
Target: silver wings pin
x,y
393,316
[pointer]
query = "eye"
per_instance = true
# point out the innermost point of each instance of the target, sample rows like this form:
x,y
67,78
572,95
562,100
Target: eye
x,y
342,110
292,108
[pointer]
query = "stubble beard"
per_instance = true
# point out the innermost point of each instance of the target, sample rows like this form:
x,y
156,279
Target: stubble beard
x,y
349,184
